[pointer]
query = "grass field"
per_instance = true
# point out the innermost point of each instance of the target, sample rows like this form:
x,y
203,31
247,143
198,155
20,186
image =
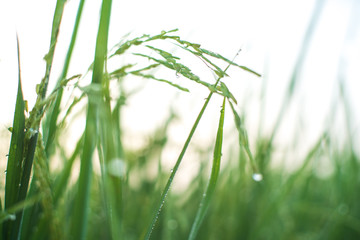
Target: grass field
x,y
72,174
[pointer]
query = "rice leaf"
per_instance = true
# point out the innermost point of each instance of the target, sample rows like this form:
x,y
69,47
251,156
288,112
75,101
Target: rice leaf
x,y
243,140
10,214
207,196
81,209
32,127
160,204
14,168
112,169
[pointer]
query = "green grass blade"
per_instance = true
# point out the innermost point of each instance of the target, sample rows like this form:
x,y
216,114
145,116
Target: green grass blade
x,y
244,142
113,171
79,218
178,161
207,196
175,168
36,114
15,160
10,213
62,180
55,109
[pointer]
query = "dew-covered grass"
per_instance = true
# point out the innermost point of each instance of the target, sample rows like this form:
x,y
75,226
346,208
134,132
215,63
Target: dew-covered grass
x,y
66,180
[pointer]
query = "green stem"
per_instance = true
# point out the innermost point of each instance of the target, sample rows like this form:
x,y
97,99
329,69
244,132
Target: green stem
x,y
78,227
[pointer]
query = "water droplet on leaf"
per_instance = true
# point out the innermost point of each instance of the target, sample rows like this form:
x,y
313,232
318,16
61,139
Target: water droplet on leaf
x,y
257,177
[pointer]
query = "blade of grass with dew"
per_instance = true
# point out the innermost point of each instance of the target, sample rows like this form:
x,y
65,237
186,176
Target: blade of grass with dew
x,y
15,159
36,114
113,167
79,218
243,141
53,114
207,196
178,161
10,214
175,168
279,198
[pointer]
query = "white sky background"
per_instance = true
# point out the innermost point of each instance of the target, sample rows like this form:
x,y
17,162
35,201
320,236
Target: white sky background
x,y
269,32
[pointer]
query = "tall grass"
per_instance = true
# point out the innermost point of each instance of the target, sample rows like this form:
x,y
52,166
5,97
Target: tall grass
x,y
243,199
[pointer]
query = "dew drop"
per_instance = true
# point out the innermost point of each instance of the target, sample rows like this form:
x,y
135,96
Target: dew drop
x,y
257,177
116,167
172,224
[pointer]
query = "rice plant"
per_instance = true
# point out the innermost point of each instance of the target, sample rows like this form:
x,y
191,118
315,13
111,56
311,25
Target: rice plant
x,y
246,198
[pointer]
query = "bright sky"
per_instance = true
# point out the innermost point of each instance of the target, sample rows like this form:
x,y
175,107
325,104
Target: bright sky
x,y
270,34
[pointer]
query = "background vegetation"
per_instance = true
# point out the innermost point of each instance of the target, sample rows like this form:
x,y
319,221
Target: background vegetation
x,y
69,182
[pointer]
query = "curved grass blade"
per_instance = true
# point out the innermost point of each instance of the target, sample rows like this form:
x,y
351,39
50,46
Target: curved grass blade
x,y
207,196
244,142
178,161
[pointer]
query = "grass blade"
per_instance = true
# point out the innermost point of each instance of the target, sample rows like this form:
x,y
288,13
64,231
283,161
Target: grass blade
x,y
36,114
175,168
207,196
15,160
178,161
79,220
55,109
243,141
